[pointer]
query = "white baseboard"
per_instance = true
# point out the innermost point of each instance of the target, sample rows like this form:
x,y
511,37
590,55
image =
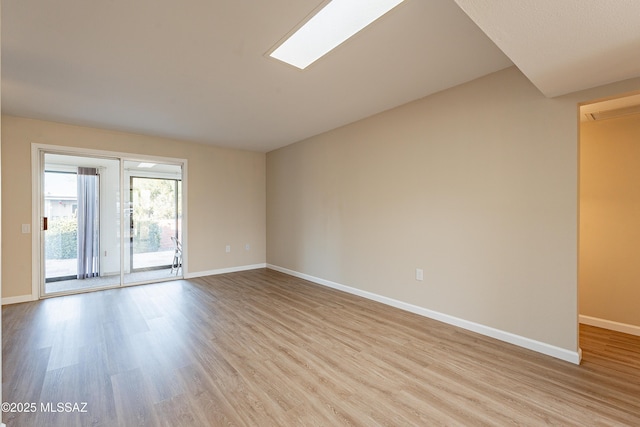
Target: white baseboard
x,y
538,346
610,324
224,270
18,299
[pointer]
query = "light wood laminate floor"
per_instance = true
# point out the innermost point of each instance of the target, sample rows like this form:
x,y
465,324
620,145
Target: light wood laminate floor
x,y
263,348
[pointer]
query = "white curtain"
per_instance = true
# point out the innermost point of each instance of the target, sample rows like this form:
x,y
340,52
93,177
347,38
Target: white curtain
x,y
88,223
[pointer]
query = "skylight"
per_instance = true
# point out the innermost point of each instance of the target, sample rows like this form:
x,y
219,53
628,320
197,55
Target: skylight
x,y
331,26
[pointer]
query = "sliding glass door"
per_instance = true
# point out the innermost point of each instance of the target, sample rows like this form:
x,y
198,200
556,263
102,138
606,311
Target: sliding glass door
x,y
154,219
107,222
81,221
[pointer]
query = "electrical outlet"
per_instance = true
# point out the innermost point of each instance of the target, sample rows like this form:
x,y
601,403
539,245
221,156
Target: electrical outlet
x,y
419,274
247,247
228,249
26,228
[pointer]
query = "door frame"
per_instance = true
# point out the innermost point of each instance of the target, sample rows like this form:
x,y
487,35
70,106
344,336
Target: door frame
x,y
37,185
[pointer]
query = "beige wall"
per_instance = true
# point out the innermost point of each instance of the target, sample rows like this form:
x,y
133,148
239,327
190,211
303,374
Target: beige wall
x,y
226,195
610,219
477,185
0,233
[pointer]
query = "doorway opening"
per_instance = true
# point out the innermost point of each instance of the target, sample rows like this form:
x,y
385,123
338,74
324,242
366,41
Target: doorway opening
x,y
105,220
609,173
80,232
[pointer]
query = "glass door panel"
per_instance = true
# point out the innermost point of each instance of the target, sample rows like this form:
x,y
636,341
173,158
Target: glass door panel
x,y
154,221
80,201
61,239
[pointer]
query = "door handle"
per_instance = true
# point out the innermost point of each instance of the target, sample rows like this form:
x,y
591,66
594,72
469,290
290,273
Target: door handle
x,y
45,223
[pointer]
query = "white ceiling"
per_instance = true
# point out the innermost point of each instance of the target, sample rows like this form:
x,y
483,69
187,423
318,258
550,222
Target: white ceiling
x,y
197,70
563,46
